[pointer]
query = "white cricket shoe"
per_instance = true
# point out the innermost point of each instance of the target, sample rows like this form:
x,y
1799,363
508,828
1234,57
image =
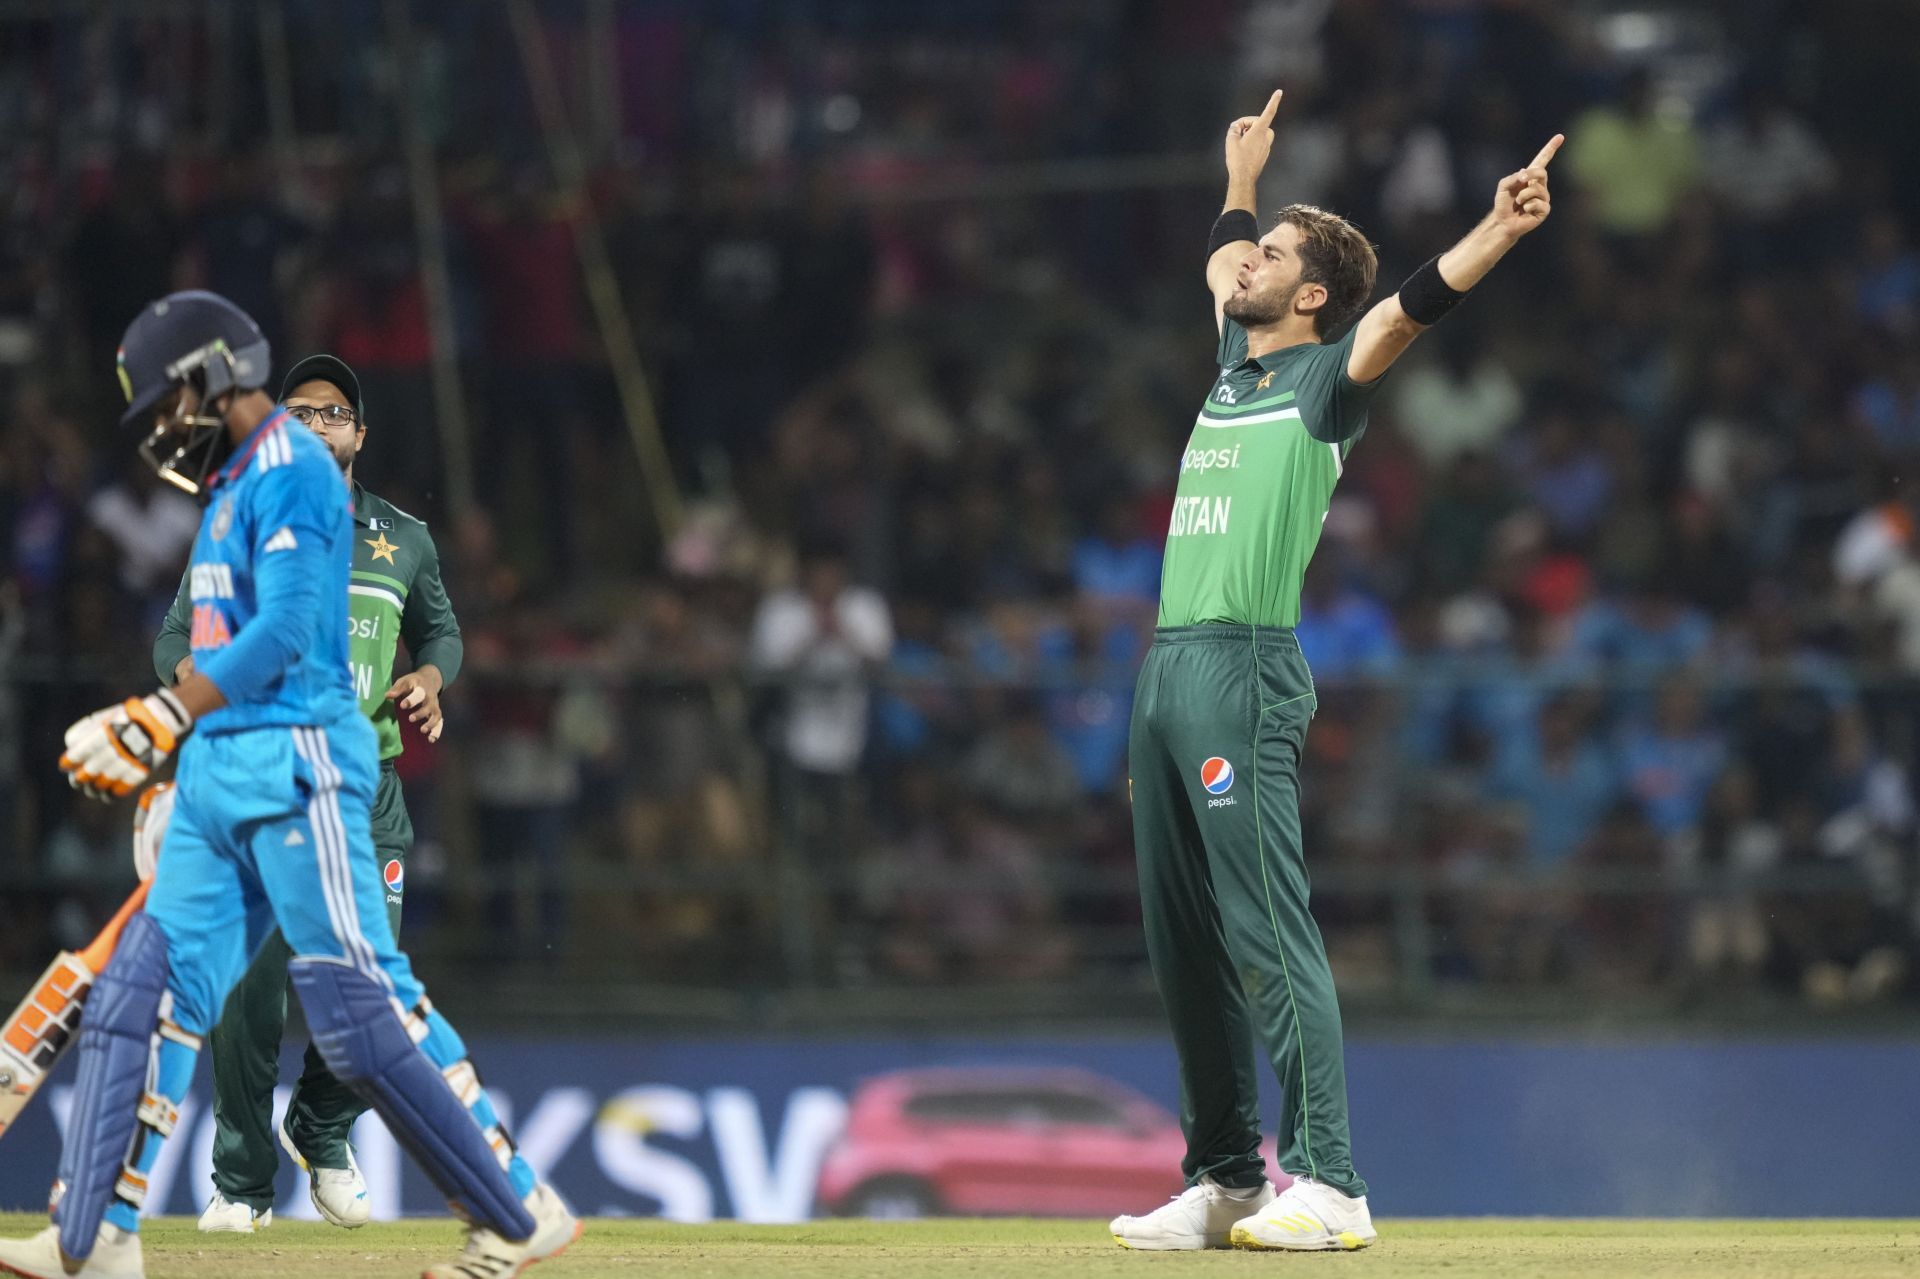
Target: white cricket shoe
x,y
490,1256
1201,1216
225,1217
339,1194
116,1255
1308,1216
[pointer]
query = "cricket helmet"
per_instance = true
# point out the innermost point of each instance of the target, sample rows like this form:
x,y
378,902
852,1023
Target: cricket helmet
x,y
194,338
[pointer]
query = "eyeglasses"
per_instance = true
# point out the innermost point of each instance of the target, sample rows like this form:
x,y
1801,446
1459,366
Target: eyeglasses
x,y
330,414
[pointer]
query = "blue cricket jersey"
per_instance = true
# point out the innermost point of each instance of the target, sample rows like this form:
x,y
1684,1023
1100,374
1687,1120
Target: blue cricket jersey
x,y
268,583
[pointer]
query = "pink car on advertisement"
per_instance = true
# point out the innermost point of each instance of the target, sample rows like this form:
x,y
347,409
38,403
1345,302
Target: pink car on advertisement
x,y
1045,1142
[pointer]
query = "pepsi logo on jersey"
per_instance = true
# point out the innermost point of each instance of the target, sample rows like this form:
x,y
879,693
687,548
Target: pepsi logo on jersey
x,y
1216,774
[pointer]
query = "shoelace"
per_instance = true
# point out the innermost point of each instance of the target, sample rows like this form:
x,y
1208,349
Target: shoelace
x,y
1180,1198
1188,1194
1196,1193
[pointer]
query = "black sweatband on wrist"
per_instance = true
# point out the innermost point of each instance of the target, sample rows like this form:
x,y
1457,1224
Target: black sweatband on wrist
x,y
1232,227
1426,297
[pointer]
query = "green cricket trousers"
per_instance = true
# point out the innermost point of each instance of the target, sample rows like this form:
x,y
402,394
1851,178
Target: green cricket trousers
x,y
1219,721
245,1047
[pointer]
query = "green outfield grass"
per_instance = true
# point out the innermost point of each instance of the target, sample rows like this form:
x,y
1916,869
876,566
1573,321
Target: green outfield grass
x,y
1055,1249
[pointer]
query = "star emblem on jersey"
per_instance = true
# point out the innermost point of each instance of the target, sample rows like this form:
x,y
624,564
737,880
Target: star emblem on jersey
x,y
382,548
1263,383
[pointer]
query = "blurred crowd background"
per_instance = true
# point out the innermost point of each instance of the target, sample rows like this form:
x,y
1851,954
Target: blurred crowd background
x,y
820,706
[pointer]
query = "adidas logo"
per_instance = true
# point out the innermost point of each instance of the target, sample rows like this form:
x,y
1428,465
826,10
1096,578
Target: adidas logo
x,y
294,838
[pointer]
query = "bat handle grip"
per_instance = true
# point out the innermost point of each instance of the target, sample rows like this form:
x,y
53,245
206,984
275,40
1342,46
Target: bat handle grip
x,y
100,949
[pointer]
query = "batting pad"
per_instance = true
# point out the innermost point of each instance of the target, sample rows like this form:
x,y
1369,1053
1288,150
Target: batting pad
x,y
363,1041
116,1046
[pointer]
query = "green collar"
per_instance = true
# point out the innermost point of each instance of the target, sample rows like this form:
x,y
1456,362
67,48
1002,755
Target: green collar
x,y
1268,360
367,508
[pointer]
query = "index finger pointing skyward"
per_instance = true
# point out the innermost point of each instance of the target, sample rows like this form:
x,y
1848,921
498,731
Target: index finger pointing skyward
x,y
1273,105
1546,152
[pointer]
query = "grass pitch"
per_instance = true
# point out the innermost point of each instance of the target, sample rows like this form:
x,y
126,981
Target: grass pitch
x,y
1054,1249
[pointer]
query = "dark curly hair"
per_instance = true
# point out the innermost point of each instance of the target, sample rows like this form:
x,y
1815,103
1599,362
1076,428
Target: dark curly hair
x,y
1333,253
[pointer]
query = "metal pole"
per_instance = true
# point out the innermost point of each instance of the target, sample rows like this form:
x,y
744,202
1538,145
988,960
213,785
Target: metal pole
x,y
603,78
219,87
429,219
276,61
785,902
616,330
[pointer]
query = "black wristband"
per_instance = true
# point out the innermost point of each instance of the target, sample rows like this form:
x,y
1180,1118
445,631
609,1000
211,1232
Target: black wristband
x,y
1426,297
1230,228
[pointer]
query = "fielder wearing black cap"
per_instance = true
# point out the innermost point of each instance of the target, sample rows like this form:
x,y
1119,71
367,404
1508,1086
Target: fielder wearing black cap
x,y
336,413
326,368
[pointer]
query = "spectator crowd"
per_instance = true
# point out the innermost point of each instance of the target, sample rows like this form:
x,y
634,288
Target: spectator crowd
x,y
1615,617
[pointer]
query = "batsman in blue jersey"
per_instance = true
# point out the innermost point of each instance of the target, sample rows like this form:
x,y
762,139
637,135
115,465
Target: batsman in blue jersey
x,y
277,768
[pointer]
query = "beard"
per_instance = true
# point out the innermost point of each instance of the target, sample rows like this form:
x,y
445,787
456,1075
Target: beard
x,y
1252,312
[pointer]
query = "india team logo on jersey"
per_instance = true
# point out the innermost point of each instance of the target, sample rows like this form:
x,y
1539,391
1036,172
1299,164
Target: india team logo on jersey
x,y
395,874
1217,776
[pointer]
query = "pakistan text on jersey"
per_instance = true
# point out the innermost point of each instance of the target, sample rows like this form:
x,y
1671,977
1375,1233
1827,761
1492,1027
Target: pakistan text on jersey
x,y
1195,515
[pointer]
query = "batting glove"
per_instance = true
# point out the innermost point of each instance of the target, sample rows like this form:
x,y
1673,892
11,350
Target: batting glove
x,y
150,821
113,752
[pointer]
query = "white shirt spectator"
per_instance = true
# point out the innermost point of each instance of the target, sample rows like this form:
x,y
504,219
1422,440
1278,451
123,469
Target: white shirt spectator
x,y
1894,597
153,535
1308,157
1281,41
1873,542
825,668
1764,168
1444,412
1420,183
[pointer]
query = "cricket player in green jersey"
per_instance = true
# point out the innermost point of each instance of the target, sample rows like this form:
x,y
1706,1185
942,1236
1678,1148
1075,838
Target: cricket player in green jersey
x,y
1224,698
396,595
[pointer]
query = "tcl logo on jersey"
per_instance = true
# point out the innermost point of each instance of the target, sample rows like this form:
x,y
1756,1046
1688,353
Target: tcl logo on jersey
x,y
1211,459
1217,776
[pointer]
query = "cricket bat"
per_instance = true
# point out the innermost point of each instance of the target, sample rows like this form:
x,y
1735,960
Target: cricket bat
x,y
47,1020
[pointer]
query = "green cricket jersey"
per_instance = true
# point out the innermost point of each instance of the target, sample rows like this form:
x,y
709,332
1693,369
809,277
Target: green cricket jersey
x,y
1259,470
396,594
